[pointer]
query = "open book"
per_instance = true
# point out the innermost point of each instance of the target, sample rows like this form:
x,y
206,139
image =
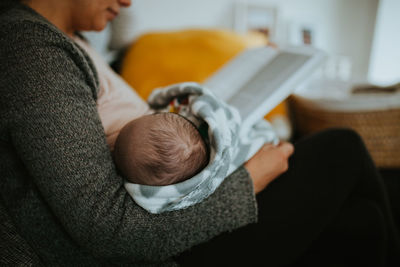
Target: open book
x,y
257,80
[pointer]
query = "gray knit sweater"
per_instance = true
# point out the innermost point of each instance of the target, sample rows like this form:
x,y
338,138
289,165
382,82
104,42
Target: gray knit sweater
x,y
57,178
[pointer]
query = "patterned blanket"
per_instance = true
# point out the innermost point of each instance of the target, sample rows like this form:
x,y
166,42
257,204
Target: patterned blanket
x,y
229,145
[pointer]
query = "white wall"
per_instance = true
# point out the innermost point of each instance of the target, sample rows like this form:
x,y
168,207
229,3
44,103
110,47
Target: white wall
x,y
343,27
385,55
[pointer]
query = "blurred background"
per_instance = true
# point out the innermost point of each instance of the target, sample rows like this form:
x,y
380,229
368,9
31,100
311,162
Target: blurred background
x,y
361,36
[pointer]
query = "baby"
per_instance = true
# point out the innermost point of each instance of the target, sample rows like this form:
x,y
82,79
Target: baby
x,y
198,137
160,149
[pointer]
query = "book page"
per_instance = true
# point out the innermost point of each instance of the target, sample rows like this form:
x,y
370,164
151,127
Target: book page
x,y
227,81
267,88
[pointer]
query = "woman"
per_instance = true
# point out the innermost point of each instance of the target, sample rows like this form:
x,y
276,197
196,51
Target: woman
x,y
62,191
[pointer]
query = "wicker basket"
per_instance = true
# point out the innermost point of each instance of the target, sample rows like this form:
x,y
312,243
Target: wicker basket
x,y
380,129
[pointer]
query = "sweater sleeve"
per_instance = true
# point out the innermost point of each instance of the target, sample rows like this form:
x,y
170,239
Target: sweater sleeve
x,y
55,128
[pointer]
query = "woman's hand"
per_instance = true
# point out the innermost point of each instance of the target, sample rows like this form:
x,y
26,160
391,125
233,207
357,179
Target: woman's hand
x,y
268,163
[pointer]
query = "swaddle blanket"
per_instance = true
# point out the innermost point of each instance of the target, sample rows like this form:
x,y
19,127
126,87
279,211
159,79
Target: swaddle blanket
x,y
229,145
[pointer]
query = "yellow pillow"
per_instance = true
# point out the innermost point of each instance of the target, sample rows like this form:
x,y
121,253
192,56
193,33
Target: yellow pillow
x,y
161,58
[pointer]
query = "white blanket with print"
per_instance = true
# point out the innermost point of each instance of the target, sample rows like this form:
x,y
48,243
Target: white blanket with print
x,y
230,147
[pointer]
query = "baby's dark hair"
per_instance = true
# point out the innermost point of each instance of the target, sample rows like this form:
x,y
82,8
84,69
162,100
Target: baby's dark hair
x,y
164,150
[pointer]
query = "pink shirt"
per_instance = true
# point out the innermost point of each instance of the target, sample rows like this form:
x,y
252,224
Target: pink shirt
x,y
117,102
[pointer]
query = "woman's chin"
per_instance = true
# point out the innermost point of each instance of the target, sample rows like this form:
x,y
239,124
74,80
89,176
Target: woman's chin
x,y
99,26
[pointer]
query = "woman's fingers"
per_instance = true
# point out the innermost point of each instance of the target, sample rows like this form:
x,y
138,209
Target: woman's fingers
x,y
287,148
268,163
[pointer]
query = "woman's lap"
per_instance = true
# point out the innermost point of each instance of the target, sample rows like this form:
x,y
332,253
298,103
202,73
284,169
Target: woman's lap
x,y
356,237
328,173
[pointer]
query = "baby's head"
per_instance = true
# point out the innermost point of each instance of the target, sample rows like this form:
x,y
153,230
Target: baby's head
x,y
160,149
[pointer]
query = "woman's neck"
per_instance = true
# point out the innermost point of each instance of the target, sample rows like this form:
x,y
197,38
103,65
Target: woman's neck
x,y
57,12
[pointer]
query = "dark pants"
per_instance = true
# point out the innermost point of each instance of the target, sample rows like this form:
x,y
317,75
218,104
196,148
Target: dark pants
x,y
329,209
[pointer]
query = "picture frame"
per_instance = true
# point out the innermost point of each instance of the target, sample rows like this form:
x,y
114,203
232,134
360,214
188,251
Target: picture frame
x,y
302,33
256,17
